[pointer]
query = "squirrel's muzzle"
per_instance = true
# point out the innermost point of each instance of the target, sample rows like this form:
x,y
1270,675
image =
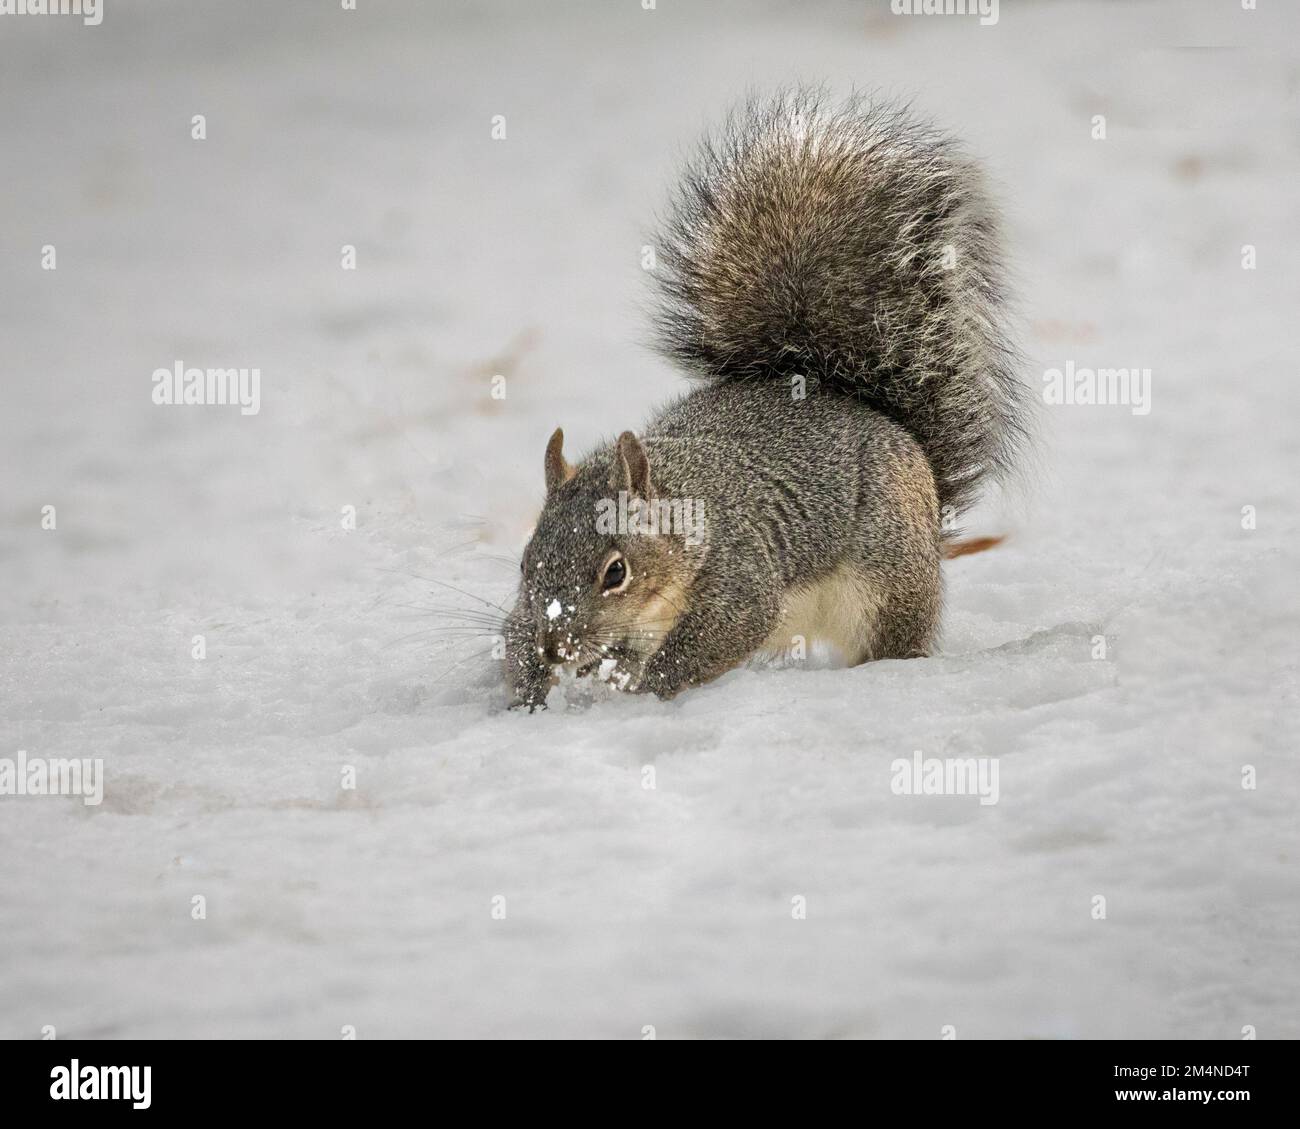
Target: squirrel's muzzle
x,y
555,646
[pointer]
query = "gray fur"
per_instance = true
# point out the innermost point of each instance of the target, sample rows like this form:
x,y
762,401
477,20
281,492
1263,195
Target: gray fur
x,y
810,238
852,386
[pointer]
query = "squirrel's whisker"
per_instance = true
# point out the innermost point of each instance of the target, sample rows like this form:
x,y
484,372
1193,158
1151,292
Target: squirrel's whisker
x,y
444,584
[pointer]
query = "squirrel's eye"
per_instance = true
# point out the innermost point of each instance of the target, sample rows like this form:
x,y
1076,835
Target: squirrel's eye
x,y
615,574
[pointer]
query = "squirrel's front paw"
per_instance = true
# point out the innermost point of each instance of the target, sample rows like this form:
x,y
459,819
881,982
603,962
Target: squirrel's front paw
x,y
530,694
529,682
658,678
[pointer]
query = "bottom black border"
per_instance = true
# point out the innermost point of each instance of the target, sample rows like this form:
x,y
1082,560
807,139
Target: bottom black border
x,y
364,1077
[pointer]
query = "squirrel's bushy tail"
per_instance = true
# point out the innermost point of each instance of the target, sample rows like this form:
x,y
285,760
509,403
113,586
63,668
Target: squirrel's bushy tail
x,y
857,246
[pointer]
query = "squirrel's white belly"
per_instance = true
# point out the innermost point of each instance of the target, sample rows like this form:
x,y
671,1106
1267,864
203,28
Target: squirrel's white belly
x,y
839,610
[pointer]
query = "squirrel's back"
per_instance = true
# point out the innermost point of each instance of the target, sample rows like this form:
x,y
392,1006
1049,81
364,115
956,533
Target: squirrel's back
x,y
856,247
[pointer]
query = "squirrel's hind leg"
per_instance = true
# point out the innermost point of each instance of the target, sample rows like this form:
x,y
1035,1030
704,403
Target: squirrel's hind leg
x,y
906,624
906,602
897,553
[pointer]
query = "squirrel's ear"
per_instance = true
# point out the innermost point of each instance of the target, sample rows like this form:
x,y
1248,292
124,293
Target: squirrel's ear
x,y
557,470
635,465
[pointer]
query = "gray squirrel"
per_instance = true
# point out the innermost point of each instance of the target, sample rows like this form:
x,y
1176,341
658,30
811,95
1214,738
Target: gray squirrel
x,y
830,273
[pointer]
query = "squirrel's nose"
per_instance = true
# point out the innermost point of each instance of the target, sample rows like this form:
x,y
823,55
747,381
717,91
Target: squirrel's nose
x,y
552,645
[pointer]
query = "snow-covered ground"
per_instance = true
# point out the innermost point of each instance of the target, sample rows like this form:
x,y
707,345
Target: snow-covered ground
x,y
625,906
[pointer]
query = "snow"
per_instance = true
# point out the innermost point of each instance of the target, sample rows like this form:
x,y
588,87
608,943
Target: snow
x,y
616,862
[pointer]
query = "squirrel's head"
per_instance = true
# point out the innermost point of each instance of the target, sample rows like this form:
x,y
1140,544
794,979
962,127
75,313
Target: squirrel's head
x,y
605,573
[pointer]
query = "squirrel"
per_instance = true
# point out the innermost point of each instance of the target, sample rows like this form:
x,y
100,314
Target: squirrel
x,y
831,275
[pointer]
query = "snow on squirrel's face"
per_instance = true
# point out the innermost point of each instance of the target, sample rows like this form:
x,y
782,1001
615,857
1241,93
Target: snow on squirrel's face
x,y
594,592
